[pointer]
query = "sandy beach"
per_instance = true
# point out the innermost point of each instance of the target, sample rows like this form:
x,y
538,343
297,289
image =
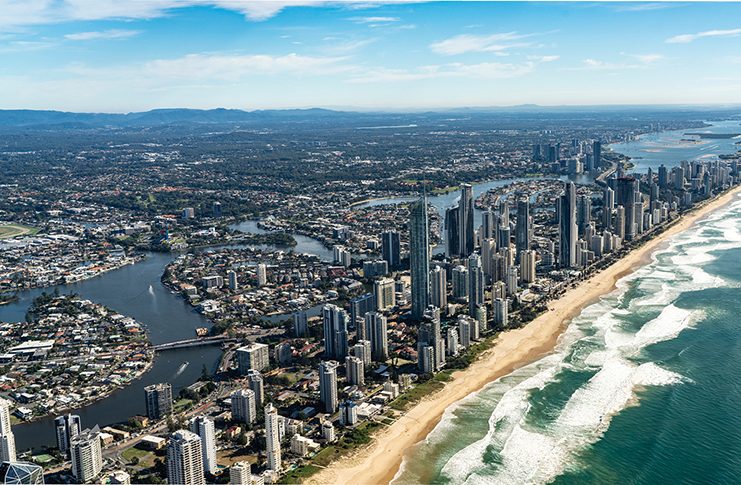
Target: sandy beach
x,y
379,462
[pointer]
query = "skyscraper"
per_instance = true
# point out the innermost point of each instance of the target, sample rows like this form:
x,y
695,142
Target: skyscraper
x,y
301,324
233,283
523,229
527,266
567,227
335,332
185,459
359,306
452,232
626,195
597,153
7,439
328,385
429,340
384,293
158,400
272,438
67,427
86,455
419,257
378,328
475,283
254,379
438,287
355,370
391,249
488,224
243,405
262,274
203,426
253,356
465,220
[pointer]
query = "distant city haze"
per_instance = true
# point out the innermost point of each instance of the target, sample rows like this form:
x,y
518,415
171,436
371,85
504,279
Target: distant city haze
x,y
394,55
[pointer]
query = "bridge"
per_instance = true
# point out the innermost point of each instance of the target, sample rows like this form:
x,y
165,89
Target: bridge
x,y
194,342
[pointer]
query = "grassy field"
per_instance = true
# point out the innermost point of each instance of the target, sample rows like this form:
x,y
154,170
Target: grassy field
x,y
13,230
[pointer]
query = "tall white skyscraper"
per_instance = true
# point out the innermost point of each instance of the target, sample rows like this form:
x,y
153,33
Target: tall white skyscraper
x,y
475,284
527,266
203,426
438,287
185,459
86,455
355,370
7,439
272,438
328,385
262,274
244,405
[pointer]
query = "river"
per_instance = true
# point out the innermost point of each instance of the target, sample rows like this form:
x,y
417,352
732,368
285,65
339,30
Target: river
x,y
135,291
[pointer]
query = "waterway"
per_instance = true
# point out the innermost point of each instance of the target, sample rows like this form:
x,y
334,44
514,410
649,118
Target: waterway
x,y
304,244
673,146
134,291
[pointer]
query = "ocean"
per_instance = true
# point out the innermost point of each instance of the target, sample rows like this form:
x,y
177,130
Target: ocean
x,y
644,386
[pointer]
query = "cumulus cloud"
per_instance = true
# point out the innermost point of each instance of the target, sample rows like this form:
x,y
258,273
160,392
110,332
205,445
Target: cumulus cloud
x,y
687,38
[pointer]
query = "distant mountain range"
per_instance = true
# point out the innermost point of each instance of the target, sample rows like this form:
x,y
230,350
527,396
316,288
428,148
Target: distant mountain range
x,y
43,119
156,117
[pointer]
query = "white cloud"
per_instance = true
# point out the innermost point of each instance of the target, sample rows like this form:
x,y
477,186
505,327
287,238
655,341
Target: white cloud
x,y
647,58
103,34
236,67
551,58
642,7
686,38
375,20
465,43
483,70
18,13
643,62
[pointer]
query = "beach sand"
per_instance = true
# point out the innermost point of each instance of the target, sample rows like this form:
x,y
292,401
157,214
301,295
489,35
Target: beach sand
x,y
379,462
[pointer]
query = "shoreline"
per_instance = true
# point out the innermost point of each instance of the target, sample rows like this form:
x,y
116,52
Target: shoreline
x,y
381,460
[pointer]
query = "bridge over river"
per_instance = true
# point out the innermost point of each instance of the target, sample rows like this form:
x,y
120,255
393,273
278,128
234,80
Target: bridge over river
x,y
194,342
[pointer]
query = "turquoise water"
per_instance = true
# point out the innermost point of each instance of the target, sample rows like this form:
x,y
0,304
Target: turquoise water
x,y
644,386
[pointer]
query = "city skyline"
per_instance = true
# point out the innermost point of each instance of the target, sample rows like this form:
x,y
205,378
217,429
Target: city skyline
x,y
108,57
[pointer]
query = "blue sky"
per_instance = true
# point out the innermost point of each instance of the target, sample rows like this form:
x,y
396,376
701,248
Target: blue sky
x,y
130,55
